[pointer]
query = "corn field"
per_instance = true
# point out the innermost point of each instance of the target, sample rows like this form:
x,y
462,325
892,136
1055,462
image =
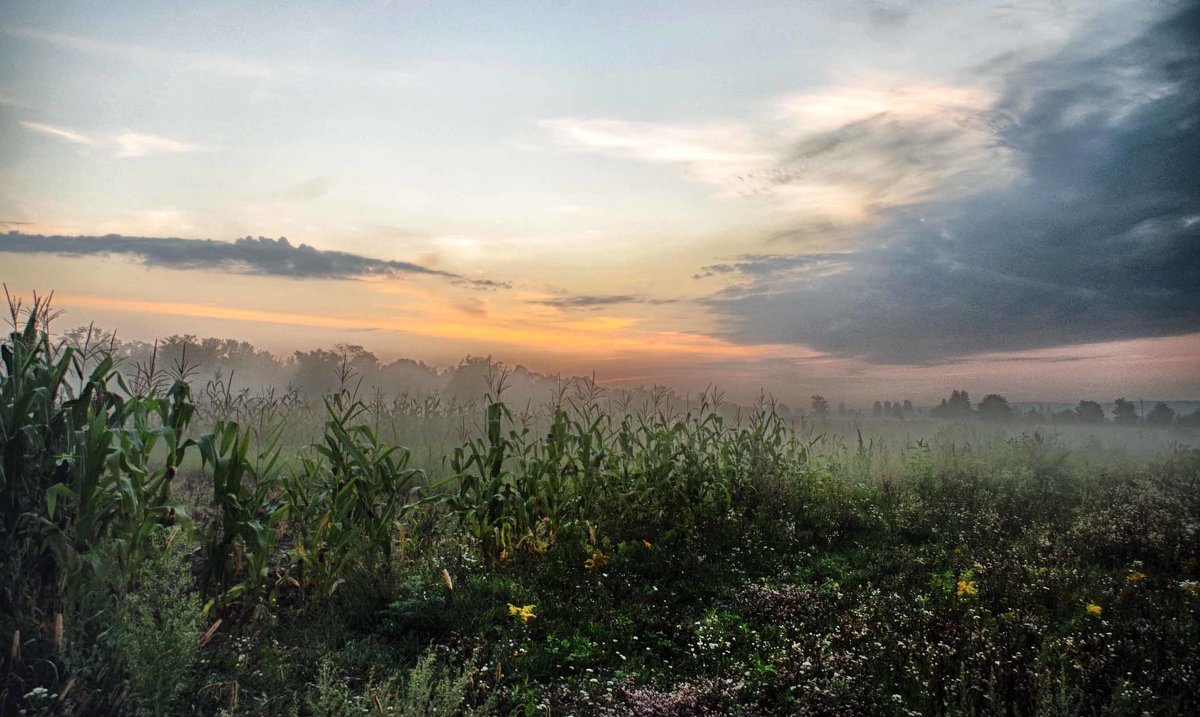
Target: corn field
x,y
173,549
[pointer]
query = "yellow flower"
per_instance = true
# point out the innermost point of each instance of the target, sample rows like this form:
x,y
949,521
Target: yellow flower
x,y
966,588
598,560
525,614
647,543
1094,609
1135,577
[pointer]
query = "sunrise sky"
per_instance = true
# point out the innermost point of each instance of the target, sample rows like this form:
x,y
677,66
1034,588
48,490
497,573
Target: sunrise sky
x,y
866,199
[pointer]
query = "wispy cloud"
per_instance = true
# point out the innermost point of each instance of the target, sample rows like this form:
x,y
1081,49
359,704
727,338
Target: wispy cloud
x,y
309,189
59,132
655,142
124,144
839,154
762,266
136,144
274,257
595,301
192,61
219,65
10,101
710,152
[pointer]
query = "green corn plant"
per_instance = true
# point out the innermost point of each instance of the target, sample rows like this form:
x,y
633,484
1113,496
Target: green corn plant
x,y
36,433
486,494
241,538
348,497
83,482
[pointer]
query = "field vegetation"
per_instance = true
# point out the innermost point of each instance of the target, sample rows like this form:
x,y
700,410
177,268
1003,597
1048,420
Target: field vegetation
x,y
174,546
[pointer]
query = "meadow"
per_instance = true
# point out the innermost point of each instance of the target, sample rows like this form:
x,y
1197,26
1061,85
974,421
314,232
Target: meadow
x,y
172,547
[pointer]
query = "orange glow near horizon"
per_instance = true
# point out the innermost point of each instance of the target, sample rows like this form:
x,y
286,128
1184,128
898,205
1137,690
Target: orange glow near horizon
x,y
599,337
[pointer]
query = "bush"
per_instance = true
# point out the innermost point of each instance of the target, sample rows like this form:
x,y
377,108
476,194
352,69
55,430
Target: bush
x,y
159,626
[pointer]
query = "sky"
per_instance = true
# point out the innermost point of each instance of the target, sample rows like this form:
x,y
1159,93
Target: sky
x,y
867,199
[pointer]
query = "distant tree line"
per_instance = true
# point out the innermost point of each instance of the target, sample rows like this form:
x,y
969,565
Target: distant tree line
x,y
995,407
241,366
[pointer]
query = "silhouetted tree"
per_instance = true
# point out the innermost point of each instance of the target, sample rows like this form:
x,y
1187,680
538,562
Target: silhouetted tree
x,y
1068,415
1090,412
1161,415
1125,413
994,407
820,407
908,407
841,408
469,379
958,406
877,410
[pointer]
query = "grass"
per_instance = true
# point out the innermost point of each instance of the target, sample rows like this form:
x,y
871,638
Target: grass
x,y
165,551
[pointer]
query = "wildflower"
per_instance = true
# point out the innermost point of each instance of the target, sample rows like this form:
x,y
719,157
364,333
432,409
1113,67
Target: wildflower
x,y
597,560
1135,577
966,588
647,543
524,614
1094,609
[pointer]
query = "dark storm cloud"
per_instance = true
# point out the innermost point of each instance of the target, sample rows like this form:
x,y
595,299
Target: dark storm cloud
x,y
1098,239
271,257
598,301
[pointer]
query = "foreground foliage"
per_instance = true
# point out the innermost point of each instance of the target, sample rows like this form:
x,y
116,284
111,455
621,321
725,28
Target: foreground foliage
x,y
166,554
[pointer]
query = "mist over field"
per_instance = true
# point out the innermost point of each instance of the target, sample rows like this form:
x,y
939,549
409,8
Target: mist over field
x,y
654,359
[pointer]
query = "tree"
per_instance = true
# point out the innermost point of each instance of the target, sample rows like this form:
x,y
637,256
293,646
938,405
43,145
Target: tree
x,y
1089,412
908,407
958,406
316,372
1125,413
994,407
820,407
841,408
1161,415
877,410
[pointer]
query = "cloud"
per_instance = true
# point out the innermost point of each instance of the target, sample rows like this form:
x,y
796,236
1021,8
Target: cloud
x,y
10,101
761,266
272,257
889,13
1096,239
59,132
712,153
838,155
147,56
126,144
262,73
136,144
308,190
655,143
595,301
